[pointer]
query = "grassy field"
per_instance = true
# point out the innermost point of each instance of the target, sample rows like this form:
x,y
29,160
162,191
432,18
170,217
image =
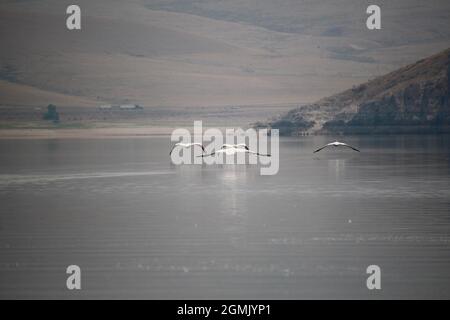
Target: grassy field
x,y
76,121
207,53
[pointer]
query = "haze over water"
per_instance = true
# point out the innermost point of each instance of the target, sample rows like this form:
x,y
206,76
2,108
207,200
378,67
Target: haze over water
x,y
140,227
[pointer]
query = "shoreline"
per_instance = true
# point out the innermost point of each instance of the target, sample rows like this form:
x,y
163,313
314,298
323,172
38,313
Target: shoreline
x,y
76,122
85,133
143,132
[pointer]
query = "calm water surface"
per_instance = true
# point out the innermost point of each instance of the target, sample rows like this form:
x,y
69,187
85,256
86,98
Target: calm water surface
x,y
140,227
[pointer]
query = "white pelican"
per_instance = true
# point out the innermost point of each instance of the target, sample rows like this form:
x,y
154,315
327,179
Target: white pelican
x,y
233,149
336,144
239,145
187,145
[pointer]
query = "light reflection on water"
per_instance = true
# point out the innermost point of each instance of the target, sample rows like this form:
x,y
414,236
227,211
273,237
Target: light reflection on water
x,y
141,227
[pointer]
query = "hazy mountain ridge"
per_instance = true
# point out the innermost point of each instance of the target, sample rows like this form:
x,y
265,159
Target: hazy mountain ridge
x,y
206,53
414,98
327,18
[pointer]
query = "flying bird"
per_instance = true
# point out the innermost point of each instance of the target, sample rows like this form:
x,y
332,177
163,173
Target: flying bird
x,y
336,144
187,145
239,145
233,149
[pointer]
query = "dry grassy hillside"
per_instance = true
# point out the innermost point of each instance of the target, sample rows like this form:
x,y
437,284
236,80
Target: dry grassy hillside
x,y
213,53
411,99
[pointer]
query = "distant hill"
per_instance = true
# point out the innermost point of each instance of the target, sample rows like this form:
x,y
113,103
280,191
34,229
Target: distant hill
x,y
206,53
412,99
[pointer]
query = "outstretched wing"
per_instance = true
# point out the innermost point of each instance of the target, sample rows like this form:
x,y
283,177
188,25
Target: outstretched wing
x,y
186,146
258,154
207,155
170,153
346,145
242,145
200,145
321,148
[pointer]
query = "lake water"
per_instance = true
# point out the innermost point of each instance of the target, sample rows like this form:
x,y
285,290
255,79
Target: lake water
x,y
140,227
